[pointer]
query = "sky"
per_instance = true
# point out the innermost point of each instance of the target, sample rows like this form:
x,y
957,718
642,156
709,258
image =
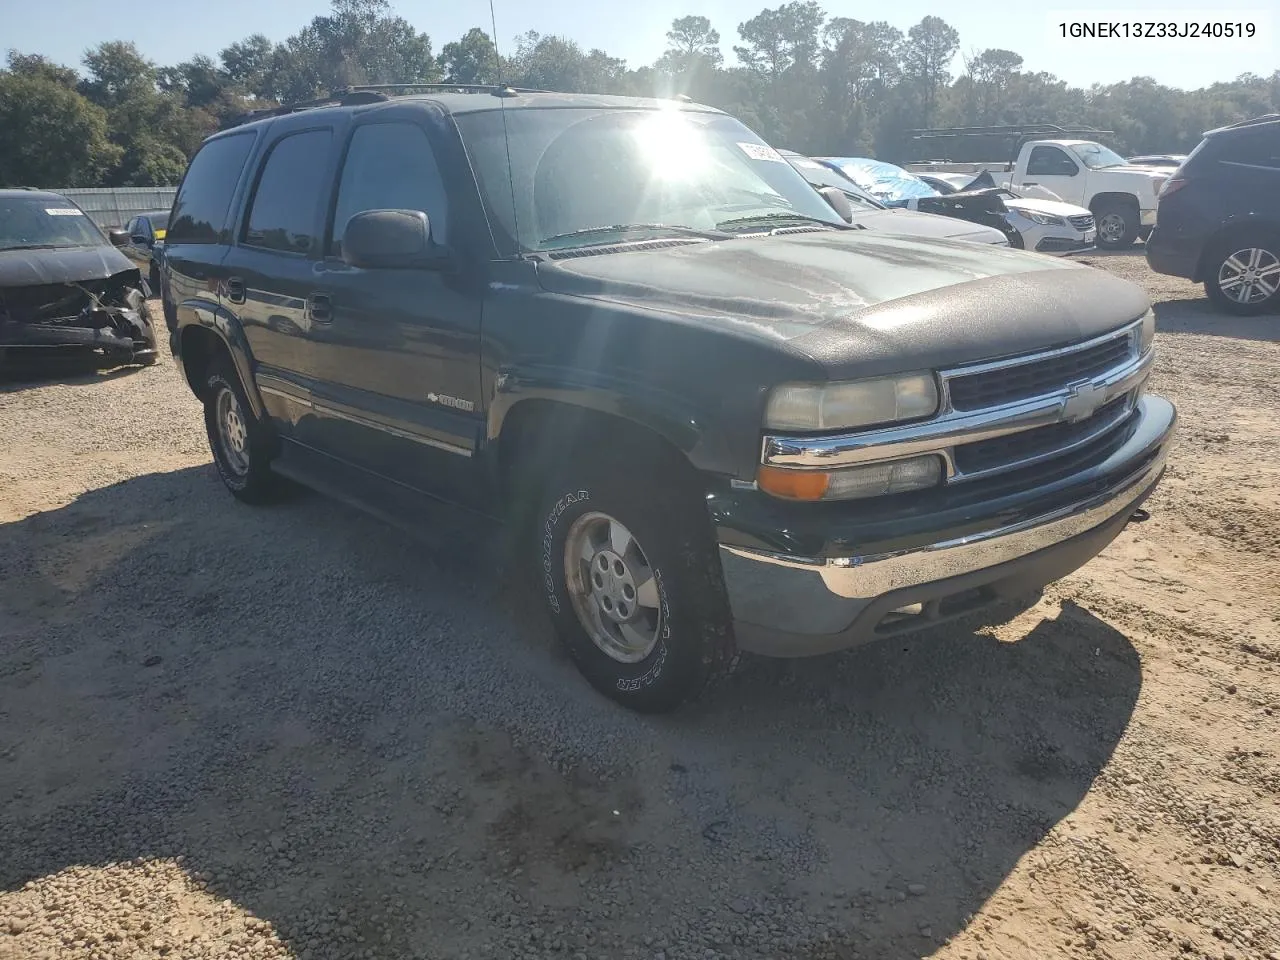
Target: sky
x,y
63,29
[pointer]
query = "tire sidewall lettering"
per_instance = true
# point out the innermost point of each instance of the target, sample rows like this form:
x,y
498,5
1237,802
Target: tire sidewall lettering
x,y
651,675
549,527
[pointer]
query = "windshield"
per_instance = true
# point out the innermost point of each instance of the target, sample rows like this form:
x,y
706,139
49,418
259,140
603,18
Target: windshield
x,y
1095,156
159,221
39,222
579,176
820,175
889,184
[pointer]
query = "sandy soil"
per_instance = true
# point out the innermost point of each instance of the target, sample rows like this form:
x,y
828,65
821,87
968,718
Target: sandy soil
x,y
293,732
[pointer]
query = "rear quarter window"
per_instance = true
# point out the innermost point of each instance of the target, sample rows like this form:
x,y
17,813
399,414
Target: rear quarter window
x,y
204,199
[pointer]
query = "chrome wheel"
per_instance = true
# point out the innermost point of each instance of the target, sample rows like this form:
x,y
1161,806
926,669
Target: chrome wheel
x,y
1249,276
233,434
612,586
1111,227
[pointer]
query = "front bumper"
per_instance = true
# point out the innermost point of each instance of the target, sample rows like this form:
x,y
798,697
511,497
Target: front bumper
x,y
1148,217
33,341
786,605
1061,245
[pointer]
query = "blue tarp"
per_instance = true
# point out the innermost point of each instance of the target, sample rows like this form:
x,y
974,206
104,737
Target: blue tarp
x,y
889,184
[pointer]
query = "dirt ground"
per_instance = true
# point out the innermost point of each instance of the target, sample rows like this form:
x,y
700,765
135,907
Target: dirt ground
x,y
294,732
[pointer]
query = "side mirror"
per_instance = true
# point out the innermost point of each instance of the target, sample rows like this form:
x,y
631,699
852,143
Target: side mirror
x,y
839,202
390,239
118,237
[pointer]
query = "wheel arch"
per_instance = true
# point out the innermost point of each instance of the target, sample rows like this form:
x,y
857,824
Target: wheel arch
x,y
1224,233
205,331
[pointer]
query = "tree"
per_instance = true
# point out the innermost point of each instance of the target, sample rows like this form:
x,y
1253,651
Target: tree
x,y
988,75
50,135
247,63
926,60
473,59
777,40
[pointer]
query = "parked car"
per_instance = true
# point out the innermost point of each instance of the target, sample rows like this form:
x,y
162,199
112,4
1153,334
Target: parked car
x,y
716,417
866,211
1220,218
65,289
1170,160
1047,226
1039,225
1120,195
146,241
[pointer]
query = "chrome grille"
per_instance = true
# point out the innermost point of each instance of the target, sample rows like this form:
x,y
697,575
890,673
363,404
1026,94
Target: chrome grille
x,y
1083,222
1029,447
1021,381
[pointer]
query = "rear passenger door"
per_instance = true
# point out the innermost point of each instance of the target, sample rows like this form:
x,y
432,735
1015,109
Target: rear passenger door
x,y
396,364
270,270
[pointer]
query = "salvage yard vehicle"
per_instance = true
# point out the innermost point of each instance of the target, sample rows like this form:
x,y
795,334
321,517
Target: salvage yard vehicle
x,y
713,416
866,211
1220,218
1046,226
146,240
1121,196
66,292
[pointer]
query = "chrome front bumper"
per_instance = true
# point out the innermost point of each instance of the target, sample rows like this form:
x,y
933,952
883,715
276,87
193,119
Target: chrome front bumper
x,y
788,606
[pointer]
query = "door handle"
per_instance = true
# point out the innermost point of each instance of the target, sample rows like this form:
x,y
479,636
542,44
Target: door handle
x,y
1030,183
320,308
235,290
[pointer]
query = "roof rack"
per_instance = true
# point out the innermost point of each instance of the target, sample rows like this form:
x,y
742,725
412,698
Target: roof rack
x,y
979,144
1265,118
359,94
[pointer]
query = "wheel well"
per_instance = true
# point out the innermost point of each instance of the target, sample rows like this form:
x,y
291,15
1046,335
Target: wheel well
x,y
1211,246
1103,200
198,348
538,434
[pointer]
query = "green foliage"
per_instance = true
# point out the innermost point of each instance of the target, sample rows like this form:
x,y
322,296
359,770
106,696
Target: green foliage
x,y
826,86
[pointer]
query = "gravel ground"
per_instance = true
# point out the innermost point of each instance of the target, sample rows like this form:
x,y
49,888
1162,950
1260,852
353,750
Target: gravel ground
x,y
294,732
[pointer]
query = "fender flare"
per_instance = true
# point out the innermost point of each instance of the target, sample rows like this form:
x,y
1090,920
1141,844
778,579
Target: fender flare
x,y
661,413
209,315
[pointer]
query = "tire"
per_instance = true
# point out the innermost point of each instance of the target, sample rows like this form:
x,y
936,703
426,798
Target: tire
x,y
647,547
1117,224
1245,265
240,443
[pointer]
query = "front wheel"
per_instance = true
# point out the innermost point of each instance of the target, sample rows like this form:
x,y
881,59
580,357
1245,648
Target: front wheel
x,y
1243,276
1118,226
629,574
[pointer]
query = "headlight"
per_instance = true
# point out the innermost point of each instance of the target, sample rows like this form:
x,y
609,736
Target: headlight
x,y
1147,332
1045,218
852,483
845,406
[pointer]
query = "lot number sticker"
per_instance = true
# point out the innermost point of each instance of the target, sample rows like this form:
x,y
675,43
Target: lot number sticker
x,y
63,212
758,151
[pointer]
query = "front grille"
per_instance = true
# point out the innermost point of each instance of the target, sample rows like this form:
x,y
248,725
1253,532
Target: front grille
x,y
1042,443
1082,222
993,388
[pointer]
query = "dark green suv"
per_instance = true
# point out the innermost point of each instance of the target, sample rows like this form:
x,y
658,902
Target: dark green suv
x,y
718,417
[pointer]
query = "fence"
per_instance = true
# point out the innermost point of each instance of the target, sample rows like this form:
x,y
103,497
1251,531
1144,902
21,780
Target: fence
x,y
116,206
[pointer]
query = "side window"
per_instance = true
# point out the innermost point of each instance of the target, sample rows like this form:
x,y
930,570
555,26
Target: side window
x,y
287,199
389,166
1049,162
200,209
1255,151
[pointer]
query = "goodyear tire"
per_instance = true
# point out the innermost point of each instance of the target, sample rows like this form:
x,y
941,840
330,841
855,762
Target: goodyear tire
x,y
631,580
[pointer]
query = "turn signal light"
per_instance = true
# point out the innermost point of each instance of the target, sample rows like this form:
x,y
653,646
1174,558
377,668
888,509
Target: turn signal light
x,y
793,484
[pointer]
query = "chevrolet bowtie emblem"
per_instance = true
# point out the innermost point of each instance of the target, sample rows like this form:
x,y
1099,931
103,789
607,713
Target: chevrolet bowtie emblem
x,y
1083,400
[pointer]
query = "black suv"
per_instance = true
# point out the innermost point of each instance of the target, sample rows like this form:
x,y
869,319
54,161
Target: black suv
x,y
1218,220
717,417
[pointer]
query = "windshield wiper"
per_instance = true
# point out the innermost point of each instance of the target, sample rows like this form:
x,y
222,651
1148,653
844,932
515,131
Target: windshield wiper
x,y
773,218
32,246
629,227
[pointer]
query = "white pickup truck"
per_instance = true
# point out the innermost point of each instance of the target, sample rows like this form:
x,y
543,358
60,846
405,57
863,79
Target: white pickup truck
x,y
1121,195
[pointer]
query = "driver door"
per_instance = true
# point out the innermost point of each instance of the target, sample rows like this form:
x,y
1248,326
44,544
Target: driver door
x,y
1052,167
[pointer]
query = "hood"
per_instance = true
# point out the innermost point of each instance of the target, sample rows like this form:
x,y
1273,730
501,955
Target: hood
x,y
28,268
861,303
1055,208
909,223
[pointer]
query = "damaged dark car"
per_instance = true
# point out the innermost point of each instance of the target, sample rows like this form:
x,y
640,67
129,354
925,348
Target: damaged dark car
x,y
66,292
